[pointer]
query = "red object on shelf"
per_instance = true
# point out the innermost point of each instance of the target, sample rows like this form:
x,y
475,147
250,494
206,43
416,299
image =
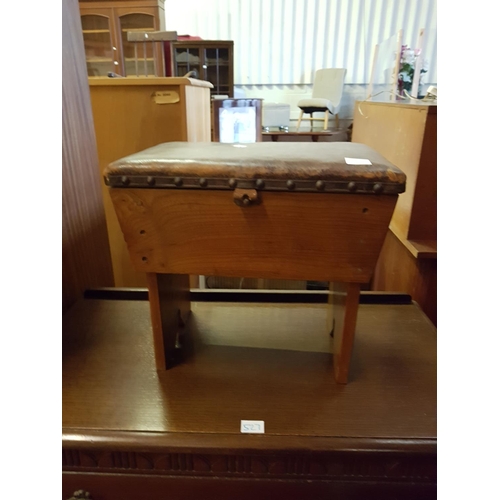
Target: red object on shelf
x,y
169,69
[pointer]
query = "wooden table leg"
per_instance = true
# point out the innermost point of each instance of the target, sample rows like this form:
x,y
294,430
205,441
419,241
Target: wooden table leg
x,y
169,307
299,120
344,301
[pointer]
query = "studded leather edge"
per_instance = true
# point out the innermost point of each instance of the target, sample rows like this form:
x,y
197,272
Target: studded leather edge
x,y
202,183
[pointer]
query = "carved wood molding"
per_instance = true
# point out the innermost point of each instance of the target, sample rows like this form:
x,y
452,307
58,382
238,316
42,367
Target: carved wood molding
x,y
317,466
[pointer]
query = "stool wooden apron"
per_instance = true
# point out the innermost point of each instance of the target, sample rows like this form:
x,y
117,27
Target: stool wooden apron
x,y
301,211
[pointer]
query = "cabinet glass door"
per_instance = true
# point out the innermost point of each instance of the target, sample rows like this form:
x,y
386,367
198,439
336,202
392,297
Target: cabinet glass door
x,y
217,68
99,51
138,57
188,59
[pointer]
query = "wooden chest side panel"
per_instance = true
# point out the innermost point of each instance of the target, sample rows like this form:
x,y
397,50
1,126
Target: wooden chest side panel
x,y
334,237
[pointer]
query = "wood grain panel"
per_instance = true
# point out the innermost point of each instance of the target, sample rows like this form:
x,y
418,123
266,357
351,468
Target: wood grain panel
x,y
344,301
120,3
401,133
86,259
110,381
330,237
170,308
131,432
398,270
423,221
197,113
406,134
127,120
133,487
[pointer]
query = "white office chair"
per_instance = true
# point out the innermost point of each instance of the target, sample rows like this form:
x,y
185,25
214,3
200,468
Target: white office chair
x,y
327,93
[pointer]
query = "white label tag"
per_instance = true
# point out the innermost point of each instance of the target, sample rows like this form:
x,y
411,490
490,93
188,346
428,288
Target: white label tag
x,y
358,161
252,426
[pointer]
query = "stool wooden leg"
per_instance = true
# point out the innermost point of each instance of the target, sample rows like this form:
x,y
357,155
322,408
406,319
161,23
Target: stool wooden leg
x,y
343,300
311,120
325,126
337,121
169,305
300,119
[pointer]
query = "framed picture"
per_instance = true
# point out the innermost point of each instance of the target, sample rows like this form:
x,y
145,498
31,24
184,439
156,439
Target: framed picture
x,y
237,120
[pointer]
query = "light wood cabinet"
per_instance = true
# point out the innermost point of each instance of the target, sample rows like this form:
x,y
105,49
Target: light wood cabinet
x,y
132,114
406,134
105,25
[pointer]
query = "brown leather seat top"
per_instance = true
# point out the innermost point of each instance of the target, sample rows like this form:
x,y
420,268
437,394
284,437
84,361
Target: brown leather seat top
x,y
267,161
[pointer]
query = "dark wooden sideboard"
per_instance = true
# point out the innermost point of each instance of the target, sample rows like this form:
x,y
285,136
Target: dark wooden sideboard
x,y
132,433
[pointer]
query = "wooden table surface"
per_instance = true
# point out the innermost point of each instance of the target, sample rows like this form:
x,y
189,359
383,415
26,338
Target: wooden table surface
x,y
249,361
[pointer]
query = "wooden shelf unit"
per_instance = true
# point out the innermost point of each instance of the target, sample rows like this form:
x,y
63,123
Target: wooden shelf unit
x,y
208,58
116,18
95,31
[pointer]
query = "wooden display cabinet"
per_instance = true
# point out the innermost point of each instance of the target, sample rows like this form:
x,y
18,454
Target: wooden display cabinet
x,y
105,25
211,59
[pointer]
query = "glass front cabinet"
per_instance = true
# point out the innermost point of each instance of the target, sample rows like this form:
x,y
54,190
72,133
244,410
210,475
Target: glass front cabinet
x,y
210,60
105,25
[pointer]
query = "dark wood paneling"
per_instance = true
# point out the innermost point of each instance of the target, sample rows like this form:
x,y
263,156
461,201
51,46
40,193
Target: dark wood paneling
x,y
398,270
86,259
130,487
131,433
423,219
267,362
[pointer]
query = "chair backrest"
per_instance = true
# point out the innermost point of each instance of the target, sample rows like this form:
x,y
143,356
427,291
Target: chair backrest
x,y
329,84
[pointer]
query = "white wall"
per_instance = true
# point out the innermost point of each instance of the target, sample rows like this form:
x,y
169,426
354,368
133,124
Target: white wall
x,y
279,44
